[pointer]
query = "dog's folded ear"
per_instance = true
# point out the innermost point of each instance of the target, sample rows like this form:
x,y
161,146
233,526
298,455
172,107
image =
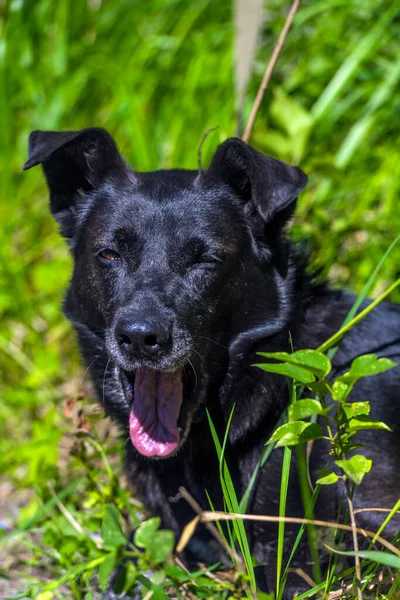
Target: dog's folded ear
x,y
75,164
270,184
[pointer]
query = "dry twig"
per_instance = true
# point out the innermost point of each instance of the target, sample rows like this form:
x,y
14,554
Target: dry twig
x,y
209,516
355,541
269,70
304,576
183,493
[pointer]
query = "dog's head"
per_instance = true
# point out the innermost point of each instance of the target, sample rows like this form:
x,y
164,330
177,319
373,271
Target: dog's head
x,y
171,267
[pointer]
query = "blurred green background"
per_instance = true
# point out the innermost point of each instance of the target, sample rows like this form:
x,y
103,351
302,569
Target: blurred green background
x,y
156,75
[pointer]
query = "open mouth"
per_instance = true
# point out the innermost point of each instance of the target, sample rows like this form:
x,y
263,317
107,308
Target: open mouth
x,y
157,400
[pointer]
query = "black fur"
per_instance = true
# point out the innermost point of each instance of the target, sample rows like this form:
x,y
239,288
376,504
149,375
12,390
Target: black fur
x,y
206,253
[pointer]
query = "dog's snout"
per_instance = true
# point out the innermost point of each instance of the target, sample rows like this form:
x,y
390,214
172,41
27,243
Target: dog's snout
x,y
142,336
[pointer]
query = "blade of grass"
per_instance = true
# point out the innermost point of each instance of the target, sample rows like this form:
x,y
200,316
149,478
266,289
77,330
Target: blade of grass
x,y
217,523
287,457
285,473
308,507
232,503
360,129
371,280
263,459
364,292
231,534
393,590
390,516
334,339
349,67
383,558
333,558
309,513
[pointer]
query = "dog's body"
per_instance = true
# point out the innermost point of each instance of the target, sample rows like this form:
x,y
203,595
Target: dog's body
x,y
180,278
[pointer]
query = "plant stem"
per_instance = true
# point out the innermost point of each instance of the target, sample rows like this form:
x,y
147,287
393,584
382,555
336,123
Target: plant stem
x,y
355,540
339,334
269,71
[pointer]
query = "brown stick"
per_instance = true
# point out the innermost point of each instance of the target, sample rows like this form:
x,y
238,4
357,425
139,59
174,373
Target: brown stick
x,y
269,70
208,516
355,541
211,527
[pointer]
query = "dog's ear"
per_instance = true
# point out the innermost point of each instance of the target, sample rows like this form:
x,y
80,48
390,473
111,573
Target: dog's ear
x,y
270,184
75,164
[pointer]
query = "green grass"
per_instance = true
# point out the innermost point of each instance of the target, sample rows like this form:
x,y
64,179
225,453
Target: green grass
x,y
157,75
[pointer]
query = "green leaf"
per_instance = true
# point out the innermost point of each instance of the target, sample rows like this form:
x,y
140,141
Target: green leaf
x,y
293,371
295,432
355,467
339,390
370,364
304,408
312,360
289,431
355,409
328,479
382,558
113,534
161,546
158,543
145,533
158,593
131,575
312,432
363,366
363,422
105,570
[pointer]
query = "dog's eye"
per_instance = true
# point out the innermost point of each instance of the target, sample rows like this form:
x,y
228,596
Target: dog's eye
x,y
208,259
108,254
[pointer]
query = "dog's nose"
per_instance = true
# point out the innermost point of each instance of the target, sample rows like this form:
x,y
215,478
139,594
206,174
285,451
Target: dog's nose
x,y
141,337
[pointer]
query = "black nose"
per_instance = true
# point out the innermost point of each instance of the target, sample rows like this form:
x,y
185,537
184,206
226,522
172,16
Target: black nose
x,y
144,336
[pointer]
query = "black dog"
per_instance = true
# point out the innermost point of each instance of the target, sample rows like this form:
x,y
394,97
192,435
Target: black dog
x,y
180,278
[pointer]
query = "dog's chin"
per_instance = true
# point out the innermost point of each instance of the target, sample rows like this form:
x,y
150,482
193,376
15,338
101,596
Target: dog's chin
x,y
160,402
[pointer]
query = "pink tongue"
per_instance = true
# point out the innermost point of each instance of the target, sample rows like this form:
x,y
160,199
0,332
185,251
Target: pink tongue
x,y
153,422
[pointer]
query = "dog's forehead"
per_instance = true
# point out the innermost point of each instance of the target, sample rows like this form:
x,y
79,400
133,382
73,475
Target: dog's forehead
x,y
178,207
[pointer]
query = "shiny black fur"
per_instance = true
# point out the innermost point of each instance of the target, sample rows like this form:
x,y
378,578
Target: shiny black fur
x,y
207,251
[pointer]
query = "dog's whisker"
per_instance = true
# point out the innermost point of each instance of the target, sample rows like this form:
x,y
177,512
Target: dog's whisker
x,y
203,337
88,367
104,381
195,374
203,360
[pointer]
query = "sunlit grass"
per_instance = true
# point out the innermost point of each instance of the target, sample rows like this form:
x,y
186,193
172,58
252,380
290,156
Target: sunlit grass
x,y
157,75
